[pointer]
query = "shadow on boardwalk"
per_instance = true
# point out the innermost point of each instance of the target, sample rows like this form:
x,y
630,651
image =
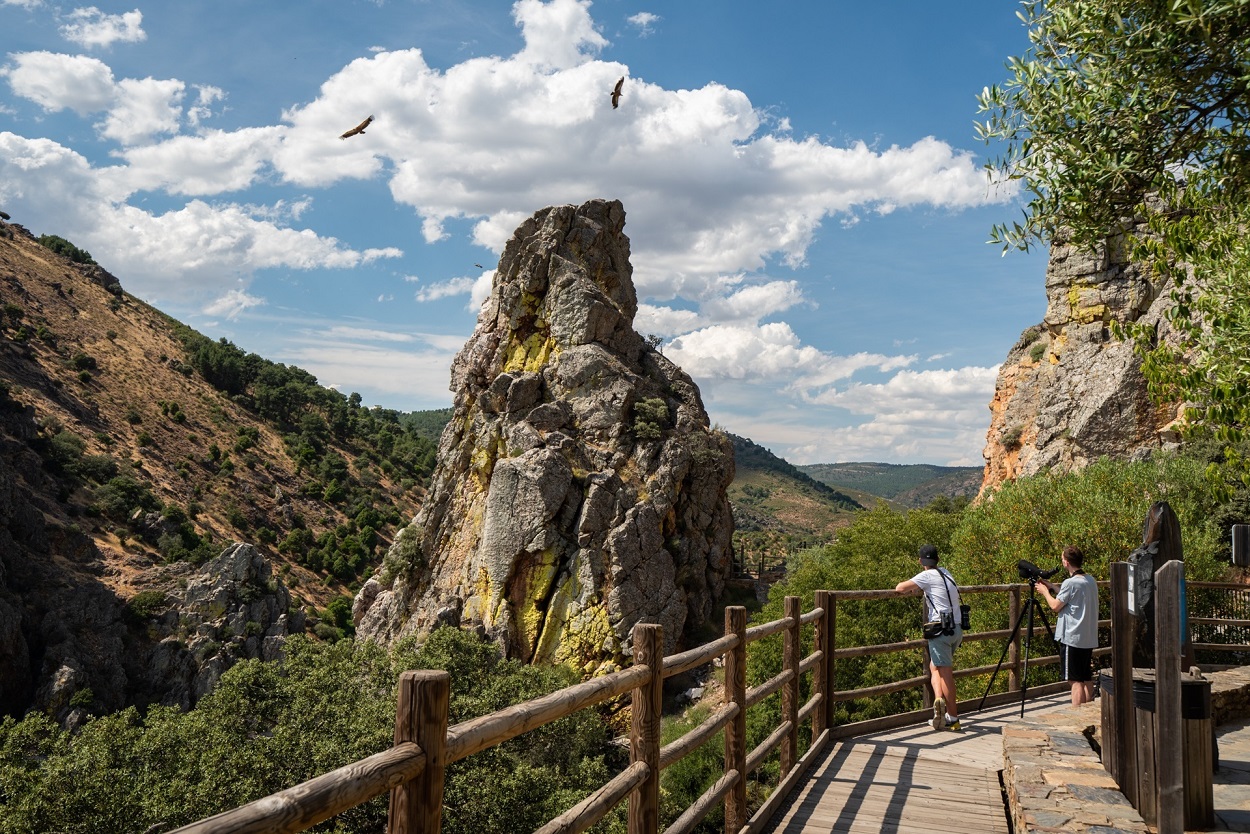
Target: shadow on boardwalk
x,y
910,781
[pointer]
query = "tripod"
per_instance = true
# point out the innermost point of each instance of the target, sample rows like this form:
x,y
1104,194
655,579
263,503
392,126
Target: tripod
x,y
1034,604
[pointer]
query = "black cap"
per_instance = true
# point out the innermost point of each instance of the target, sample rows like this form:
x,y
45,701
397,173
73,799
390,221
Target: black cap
x,y
928,555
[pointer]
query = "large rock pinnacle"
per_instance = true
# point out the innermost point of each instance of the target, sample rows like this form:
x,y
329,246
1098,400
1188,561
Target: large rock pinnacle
x,y
579,489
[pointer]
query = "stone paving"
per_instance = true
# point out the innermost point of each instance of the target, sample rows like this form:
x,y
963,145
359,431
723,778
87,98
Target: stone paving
x,y
1055,781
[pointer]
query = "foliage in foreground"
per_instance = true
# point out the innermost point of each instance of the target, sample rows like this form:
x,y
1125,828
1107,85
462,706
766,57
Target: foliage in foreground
x,y
272,725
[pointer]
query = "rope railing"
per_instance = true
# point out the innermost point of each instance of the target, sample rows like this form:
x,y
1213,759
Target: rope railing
x,y
412,770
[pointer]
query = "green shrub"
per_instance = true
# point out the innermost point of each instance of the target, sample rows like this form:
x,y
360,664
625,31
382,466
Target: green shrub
x,y
62,246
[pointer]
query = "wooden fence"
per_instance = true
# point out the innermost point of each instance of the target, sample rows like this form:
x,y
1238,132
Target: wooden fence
x,y
412,770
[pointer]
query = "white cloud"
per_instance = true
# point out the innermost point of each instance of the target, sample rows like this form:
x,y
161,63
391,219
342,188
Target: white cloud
x,y
57,82
143,107
232,303
558,34
644,22
206,96
421,374
935,416
134,108
446,289
25,4
91,27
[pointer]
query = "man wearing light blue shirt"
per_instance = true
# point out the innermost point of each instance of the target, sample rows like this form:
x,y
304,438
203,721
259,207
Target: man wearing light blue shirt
x,y
1076,602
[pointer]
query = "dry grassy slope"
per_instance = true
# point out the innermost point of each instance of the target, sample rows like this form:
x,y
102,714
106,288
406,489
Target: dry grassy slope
x,y
135,349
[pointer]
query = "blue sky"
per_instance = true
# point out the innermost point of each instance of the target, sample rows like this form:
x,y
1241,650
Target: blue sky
x,y
803,188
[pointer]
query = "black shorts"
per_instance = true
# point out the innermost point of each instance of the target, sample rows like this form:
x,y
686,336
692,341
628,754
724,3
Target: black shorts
x,y
1076,664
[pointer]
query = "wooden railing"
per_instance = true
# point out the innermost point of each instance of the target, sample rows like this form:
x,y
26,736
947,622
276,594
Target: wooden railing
x,y
412,770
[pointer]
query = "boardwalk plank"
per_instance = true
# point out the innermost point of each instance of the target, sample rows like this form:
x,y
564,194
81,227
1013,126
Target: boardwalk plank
x,y
908,781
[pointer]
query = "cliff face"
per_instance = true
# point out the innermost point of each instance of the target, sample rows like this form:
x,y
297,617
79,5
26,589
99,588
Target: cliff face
x,y
1068,392
579,489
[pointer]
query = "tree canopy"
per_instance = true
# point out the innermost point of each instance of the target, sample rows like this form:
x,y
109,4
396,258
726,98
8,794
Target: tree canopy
x,y
1125,113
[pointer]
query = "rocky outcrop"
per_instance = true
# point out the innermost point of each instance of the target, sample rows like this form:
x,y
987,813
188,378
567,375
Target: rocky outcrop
x,y
70,645
579,489
1069,392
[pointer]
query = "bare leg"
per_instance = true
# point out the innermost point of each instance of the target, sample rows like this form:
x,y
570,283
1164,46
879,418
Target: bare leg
x,y
944,685
1088,686
1078,693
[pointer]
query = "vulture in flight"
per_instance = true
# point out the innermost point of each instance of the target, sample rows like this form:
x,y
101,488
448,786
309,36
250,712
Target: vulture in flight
x,y
616,92
360,128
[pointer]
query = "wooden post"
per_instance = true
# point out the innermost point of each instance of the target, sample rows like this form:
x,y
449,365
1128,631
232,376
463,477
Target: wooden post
x,y
1171,739
832,659
1013,651
820,674
1122,629
736,730
421,717
792,656
644,736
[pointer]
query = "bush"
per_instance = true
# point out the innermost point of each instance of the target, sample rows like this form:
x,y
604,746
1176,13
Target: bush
x,y
62,246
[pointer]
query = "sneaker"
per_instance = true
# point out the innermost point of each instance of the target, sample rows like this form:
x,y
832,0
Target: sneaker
x,y
954,727
938,721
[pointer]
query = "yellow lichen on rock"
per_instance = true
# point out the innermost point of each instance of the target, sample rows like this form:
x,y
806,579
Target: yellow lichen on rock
x,y
530,617
532,355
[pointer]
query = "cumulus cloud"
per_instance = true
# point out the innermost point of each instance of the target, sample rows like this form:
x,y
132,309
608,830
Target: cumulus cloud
x,y
134,108
91,27
57,82
644,22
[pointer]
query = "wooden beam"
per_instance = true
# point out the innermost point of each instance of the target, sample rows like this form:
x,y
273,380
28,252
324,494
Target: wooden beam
x,y
791,653
421,717
646,705
1122,627
736,730
820,674
1171,738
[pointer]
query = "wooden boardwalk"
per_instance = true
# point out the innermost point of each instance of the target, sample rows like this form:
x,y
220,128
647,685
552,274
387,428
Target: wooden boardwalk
x,y
910,781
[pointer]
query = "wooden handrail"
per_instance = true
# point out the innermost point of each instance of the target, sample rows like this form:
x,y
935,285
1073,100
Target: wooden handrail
x,y
412,769
677,749
596,806
759,632
698,656
316,800
469,737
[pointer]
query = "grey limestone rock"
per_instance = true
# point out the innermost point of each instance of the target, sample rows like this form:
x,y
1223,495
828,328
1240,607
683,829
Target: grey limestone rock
x,y
1069,392
579,488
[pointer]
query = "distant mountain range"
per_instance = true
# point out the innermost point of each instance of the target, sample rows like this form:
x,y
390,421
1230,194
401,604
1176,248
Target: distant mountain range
x,y
780,508
905,485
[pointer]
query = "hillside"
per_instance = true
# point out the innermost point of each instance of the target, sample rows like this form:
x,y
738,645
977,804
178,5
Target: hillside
x,y
778,508
134,451
904,485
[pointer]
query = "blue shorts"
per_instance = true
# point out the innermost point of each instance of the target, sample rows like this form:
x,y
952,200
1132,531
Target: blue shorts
x,y
942,649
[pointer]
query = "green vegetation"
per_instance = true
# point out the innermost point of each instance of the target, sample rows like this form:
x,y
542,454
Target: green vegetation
x,y
271,725
62,246
1139,110
650,418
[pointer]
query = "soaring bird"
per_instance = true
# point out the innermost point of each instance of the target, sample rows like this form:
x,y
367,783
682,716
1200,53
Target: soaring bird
x,y
360,128
616,92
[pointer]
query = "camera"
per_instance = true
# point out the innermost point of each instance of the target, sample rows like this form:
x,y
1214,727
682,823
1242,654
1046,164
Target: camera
x,y
1032,572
